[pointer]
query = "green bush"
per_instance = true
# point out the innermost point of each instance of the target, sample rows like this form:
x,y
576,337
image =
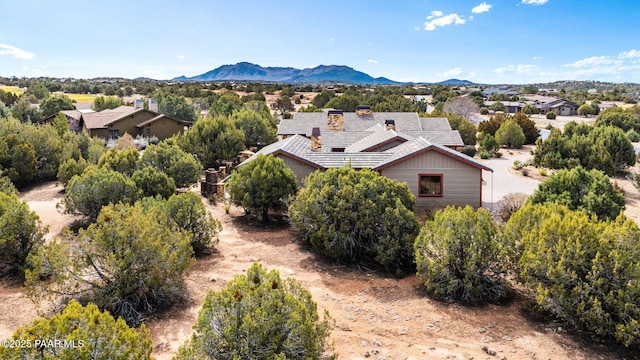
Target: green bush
x,y
93,334
21,232
151,182
582,271
510,135
469,151
484,155
187,212
357,216
551,115
458,256
262,184
129,262
259,316
632,135
580,189
96,187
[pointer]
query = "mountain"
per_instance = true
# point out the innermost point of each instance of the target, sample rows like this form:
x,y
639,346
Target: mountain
x,y
245,71
455,82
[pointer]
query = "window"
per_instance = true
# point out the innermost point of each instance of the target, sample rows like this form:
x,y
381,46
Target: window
x,y
148,131
430,185
337,149
114,134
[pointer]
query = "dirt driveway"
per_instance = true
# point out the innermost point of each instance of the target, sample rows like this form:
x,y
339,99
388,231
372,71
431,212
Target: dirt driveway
x,y
377,317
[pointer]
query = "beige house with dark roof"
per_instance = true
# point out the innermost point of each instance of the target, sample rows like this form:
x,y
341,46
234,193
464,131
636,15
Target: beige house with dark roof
x,y
402,146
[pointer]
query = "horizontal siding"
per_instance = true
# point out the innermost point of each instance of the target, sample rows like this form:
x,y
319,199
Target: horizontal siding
x,y
300,169
461,182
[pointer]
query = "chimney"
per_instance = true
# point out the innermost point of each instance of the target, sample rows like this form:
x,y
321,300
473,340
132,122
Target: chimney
x,y
363,110
316,141
390,124
138,104
153,105
335,120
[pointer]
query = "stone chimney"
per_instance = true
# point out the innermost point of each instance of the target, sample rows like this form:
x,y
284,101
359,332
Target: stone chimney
x,y
390,124
316,141
335,120
153,105
363,110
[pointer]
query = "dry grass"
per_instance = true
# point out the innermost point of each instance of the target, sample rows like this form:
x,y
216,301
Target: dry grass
x,y
12,89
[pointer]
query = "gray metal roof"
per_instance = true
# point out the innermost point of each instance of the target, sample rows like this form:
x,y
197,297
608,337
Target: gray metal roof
x,y
434,124
303,123
300,146
377,135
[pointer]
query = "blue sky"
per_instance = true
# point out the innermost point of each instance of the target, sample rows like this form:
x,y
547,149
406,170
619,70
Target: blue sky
x,y
499,41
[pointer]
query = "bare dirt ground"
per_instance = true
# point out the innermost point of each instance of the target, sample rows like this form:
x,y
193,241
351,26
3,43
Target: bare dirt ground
x,y
377,317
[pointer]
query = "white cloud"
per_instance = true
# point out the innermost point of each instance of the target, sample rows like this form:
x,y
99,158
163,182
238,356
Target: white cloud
x,y
484,7
537,58
534,2
517,69
181,56
15,52
372,61
437,18
435,14
593,61
452,72
629,54
456,72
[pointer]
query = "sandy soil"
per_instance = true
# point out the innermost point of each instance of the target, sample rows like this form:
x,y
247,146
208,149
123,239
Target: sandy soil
x,y
377,317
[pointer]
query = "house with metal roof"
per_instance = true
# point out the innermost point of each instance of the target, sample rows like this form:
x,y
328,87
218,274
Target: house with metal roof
x,y
420,152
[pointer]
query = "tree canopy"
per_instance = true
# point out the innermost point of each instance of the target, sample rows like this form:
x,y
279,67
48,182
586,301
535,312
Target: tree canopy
x,y
510,135
214,141
262,184
458,256
106,102
87,332
357,215
56,103
97,187
129,262
580,189
259,316
187,213
21,232
180,166
582,271
259,128
605,148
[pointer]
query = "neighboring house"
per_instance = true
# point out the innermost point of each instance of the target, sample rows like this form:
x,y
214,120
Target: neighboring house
x,y
500,91
113,123
402,146
512,107
560,107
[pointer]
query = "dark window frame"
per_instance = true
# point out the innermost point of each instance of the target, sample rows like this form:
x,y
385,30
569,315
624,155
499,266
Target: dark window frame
x,y
422,193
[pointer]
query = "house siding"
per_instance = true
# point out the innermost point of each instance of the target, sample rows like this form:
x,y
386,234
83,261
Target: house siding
x,y
301,170
163,128
461,184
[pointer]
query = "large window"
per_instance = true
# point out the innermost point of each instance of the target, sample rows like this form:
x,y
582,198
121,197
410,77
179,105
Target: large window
x,y
114,134
430,185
